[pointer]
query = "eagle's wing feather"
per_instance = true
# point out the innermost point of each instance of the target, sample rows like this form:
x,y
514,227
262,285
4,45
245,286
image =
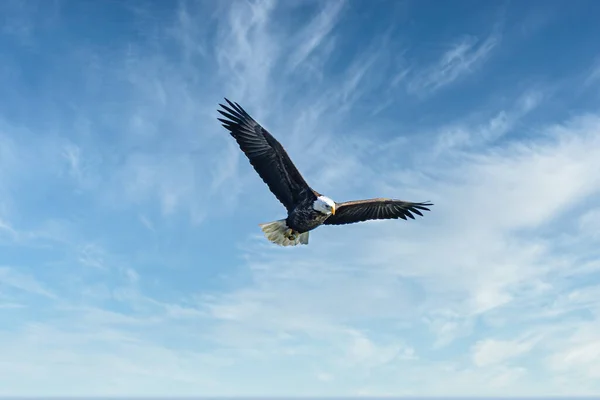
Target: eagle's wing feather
x,y
266,154
362,210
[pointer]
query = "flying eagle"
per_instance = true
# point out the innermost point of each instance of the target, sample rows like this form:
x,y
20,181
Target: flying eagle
x,y
307,209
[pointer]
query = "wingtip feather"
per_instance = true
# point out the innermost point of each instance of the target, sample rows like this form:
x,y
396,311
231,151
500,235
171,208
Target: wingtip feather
x,y
236,107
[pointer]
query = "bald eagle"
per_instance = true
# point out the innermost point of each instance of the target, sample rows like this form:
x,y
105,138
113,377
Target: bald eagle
x,y
307,209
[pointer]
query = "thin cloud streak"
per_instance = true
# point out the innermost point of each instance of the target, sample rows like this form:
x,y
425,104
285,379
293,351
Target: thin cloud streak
x,y
315,33
455,63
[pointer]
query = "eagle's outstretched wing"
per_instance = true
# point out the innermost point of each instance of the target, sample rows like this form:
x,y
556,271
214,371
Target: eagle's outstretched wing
x,y
362,210
266,155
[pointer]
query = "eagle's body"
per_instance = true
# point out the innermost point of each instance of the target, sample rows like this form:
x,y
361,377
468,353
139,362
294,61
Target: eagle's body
x,y
304,217
307,209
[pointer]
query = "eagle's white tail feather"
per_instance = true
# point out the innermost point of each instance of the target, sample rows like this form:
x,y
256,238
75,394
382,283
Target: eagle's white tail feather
x,y
277,231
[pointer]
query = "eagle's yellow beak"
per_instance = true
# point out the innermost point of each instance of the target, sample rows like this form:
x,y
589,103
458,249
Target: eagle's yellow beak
x,y
333,210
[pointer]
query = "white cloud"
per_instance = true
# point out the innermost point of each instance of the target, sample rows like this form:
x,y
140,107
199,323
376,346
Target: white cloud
x,y
594,74
462,301
364,353
462,58
461,135
575,355
589,223
126,363
582,356
247,51
6,228
144,220
312,36
92,255
9,277
325,377
399,272
72,155
492,351
447,325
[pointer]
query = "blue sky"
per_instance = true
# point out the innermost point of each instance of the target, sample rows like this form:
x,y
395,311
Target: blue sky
x,y
131,261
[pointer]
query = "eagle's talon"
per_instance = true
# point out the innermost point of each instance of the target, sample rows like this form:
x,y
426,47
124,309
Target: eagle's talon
x,y
290,234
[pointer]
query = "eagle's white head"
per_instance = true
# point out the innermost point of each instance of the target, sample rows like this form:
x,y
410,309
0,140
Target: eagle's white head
x,y
324,205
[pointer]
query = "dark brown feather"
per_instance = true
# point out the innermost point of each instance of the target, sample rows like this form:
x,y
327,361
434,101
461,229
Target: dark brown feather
x,y
350,212
266,155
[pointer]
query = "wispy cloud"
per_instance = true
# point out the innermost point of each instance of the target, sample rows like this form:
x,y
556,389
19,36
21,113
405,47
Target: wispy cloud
x,y
311,37
128,238
7,229
381,281
594,74
10,277
462,58
459,136
248,50
491,351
